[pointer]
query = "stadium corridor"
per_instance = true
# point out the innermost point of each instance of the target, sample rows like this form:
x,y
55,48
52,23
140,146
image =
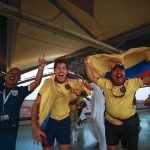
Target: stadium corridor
x,y
85,139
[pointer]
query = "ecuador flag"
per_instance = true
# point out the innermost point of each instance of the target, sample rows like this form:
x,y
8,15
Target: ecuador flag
x,y
135,60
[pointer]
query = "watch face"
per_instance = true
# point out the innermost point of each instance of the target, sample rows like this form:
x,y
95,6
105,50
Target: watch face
x,y
123,89
67,86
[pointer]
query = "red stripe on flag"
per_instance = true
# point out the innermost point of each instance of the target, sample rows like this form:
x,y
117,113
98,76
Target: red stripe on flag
x,y
147,73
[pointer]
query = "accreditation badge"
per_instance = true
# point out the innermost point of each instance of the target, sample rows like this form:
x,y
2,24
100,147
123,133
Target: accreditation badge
x,y
14,92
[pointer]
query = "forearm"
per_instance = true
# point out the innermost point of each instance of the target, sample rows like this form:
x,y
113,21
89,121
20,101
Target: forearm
x,y
42,63
38,78
36,129
35,112
90,74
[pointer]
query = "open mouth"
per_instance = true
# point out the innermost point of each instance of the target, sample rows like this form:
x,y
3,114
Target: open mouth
x,y
12,78
61,75
118,76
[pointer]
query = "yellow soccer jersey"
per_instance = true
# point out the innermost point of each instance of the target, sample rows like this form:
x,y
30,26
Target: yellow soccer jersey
x,y
117,104
60,108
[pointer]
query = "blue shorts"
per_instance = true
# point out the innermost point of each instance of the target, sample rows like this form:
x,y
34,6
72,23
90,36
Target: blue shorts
x,y
59,130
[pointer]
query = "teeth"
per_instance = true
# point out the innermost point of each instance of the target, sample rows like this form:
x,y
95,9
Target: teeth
x,y
118,75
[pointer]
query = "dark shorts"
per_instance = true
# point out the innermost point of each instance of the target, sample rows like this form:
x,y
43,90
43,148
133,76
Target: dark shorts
x,y
59,130
127,136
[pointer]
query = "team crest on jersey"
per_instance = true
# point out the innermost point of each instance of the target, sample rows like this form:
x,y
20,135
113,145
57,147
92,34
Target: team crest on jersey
x,y
15,92
67,87
123,89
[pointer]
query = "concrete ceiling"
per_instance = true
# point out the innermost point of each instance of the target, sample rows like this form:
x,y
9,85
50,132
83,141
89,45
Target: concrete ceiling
x,y
69,28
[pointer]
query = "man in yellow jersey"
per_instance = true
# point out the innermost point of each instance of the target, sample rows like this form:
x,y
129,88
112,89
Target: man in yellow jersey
x,y
58,125
119,94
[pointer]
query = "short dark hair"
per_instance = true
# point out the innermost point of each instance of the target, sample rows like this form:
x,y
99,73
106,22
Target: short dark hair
x,y
15,69
60,61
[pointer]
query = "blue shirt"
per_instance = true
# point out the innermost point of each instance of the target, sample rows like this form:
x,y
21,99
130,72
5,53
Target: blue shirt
x,y
13,104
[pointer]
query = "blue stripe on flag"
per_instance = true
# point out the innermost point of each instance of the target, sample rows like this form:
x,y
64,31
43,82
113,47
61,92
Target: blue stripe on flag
x,y
136,70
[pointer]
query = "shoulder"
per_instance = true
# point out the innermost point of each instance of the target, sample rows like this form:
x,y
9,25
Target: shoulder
x,y
135,82
47,83
22,87
103,81
1,88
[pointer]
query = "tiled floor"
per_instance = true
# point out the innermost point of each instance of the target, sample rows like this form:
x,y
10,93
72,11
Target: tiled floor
x,y
85,140
144,137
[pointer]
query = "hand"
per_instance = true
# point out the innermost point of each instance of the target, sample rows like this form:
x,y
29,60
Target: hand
x,y
37,132
92,120
85,60
42,61
73,102
86,85
76,91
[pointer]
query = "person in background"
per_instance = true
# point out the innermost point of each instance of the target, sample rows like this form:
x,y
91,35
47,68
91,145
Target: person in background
x,y
76,115
147,101
53,100
80,114
119,94
96,123
74,127
11,99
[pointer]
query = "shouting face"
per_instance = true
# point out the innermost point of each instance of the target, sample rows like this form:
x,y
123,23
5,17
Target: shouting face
x,y
118,76
12,77
60,72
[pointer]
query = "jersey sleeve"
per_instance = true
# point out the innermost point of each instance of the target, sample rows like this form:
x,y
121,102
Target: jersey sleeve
x,y
101,82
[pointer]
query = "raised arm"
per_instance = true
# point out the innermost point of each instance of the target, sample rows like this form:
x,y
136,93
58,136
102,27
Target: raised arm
x,y
42,62
89,72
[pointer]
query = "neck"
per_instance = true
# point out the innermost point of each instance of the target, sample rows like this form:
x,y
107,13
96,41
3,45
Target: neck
x,y
60,81
10,86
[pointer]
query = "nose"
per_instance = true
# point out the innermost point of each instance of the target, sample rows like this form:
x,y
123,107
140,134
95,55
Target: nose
x,y
14,74
61,69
